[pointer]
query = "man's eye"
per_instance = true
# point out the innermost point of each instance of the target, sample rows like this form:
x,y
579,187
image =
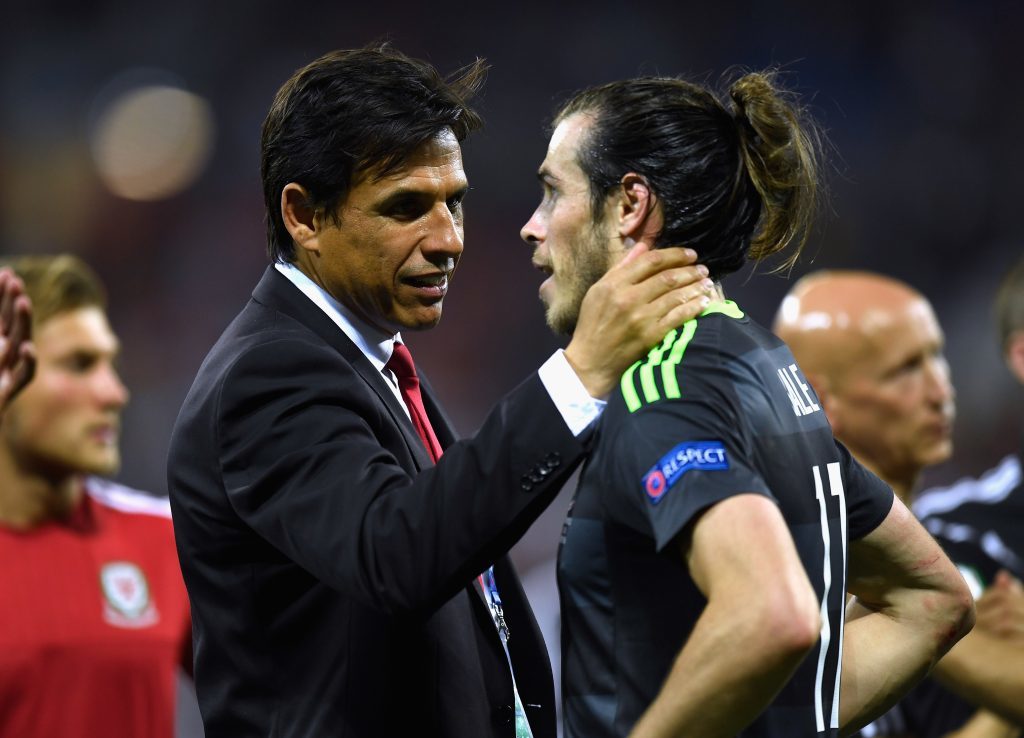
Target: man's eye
x,y
407,210
910,365
78,363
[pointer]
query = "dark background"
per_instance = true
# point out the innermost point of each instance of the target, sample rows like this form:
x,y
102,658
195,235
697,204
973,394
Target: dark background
x,y
921,101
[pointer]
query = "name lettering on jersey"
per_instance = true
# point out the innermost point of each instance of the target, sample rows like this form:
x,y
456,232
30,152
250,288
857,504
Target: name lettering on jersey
x,y
702,455
798,391
127,601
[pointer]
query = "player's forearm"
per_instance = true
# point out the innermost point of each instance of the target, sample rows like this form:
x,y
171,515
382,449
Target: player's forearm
x,y
882,657
888,649
913,605
733,665
987,672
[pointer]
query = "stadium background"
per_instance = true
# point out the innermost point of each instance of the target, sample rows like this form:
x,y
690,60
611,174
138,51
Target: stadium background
x,y
102,154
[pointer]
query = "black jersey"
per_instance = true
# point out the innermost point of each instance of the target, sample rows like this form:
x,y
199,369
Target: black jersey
x,y
719,408
979,524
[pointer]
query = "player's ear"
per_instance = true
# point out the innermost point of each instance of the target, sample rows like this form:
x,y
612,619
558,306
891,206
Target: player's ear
x,y
636,209
1015,354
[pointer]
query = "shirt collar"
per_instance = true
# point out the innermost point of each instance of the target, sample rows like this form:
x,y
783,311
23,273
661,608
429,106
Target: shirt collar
x,y
375,344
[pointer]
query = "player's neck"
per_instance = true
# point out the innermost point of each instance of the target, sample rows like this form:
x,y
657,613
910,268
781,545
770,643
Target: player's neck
x,y
718,294
30,498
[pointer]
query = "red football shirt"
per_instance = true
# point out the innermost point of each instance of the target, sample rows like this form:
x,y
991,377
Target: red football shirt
x,y
94,620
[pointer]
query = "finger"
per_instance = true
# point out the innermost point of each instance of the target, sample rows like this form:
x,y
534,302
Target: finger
x,y
647,263
23,310
640,247
25,369
19,332
6,299
683,282
675,308
1005,580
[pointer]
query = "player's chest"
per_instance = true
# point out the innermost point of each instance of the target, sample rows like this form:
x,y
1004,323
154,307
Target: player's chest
x,y
66,592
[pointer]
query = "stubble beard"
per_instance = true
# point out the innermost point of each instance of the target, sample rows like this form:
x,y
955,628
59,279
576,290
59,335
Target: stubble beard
x,y
590,262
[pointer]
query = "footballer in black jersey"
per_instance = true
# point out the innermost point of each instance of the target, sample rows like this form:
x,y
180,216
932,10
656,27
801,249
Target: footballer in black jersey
x,y
717,522
718,409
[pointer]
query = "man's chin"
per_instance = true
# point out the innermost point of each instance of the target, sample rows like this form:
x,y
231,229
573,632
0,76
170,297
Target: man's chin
x,y
937,454
417,321
100,467
562,322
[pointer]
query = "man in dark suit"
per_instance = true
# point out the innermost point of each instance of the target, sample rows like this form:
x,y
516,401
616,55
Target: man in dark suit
x,y
342,583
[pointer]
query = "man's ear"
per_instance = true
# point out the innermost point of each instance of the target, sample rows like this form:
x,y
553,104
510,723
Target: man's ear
x,y
1015,354
299,217
639,217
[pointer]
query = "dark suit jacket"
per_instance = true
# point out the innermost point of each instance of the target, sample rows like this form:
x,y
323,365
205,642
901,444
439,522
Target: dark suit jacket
x,y
329,563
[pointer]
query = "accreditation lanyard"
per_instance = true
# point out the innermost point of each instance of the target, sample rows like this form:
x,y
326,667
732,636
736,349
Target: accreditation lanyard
x,y
490,590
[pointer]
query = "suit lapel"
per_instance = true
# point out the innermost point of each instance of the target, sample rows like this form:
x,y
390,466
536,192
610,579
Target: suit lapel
x,y
439,420
275,291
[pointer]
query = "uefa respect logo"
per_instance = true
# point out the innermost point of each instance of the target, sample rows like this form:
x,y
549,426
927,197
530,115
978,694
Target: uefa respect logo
x,y
702,455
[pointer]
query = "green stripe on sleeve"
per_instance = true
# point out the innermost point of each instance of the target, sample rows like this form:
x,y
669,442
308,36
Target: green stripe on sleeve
x,y
668,369
629,391
653,359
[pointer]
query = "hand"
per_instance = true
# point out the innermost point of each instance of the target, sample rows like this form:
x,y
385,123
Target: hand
x,y
631,308
1001,607
17,353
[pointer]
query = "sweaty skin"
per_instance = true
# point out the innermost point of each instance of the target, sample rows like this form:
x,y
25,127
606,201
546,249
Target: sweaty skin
x,y
872,348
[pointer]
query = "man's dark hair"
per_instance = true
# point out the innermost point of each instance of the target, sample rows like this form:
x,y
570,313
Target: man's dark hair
x,y
730,182
352,114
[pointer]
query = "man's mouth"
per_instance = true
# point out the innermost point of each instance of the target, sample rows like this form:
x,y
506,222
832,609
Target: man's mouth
x,y
431,286
106,435
547,284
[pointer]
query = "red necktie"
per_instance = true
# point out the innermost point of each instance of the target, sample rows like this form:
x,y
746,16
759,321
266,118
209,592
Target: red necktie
x,y
409,384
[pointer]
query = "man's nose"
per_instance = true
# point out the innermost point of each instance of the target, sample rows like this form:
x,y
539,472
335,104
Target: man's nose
x,y
109,388
446,234
940,388
532,231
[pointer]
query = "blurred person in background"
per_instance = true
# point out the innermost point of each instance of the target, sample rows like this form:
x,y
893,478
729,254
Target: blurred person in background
x,y
873,350
346,577
718,524
95,619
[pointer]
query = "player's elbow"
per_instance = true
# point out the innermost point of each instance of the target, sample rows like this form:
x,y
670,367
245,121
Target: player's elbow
x,y
957,604
793,620
948,607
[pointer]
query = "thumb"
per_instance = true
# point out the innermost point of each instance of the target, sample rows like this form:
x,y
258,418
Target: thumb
x,y
1005,580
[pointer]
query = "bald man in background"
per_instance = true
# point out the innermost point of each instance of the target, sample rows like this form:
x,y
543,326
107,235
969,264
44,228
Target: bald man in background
x,y
873,350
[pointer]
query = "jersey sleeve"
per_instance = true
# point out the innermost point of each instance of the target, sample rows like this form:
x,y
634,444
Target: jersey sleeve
x,y
868,498
674,459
